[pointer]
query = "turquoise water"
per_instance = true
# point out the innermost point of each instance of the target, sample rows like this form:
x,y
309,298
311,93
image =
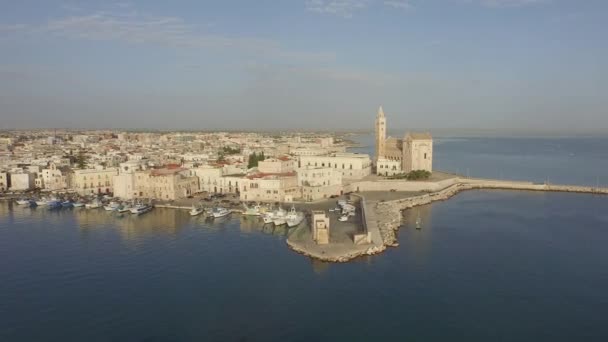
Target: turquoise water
x,y
486,266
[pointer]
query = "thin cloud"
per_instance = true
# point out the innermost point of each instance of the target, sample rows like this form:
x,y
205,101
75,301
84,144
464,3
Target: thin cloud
x,y
341,8
398,4
508,3
136,28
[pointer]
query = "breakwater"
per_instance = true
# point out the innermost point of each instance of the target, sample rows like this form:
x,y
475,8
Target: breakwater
x,y
389,212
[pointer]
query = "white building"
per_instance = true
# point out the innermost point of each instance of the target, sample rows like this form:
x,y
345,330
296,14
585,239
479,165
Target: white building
x,y
319,182
351,165
216,179
22,181
124,181
54,178
269,188
165,183
277,165
94,181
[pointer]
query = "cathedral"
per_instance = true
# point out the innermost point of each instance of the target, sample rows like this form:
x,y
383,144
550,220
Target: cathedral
x,y
395,156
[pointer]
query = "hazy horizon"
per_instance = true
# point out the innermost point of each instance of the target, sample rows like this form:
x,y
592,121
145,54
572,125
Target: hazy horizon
x,y
509,66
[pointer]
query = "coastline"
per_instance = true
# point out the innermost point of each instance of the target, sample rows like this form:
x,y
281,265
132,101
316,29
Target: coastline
x,y
389,213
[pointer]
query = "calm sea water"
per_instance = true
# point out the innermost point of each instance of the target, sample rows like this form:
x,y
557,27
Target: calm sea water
x,y
487,266
576,160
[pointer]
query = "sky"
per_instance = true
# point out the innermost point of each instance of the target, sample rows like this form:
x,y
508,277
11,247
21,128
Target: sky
x,y
305,64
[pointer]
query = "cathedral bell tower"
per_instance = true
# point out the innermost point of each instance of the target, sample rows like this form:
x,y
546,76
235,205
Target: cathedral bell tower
x,y
380,135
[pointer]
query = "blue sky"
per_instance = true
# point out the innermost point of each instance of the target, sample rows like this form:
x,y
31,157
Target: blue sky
x,y
305,64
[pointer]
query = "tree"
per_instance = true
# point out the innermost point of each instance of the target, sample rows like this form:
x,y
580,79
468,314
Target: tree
x,y
418,175
252,161
81,160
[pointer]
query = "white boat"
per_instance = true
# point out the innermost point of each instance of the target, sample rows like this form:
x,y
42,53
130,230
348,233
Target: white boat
x,y
252,211
294,217
23,201
124,208
220,212
113,206
280,216
42,201
343,218
196,211
93,205
78,204
141,209
268,217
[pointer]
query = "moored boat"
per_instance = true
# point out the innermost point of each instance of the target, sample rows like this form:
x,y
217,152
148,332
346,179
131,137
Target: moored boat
x,y
196,211
220,212
112,206
294,217
141,209
279,217
42,201
124,208
23,201
67,204
252,211
78,204
94,204
53,204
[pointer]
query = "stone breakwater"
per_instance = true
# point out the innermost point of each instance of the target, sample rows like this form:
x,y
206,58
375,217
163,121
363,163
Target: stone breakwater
x,y
388,213
336,257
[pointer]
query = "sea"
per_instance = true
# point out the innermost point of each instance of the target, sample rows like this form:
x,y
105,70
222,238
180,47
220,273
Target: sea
x,y
487,265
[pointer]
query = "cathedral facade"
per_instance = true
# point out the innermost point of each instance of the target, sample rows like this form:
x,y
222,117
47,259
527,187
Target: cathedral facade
x,y
395,156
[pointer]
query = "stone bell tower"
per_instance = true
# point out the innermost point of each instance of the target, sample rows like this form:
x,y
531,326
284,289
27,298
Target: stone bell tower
x,y
380,135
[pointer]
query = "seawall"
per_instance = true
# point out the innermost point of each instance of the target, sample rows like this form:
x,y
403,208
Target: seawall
x,y
389,212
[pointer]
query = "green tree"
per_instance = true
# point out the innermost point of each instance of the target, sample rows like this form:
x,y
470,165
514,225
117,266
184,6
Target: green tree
x,y
81,159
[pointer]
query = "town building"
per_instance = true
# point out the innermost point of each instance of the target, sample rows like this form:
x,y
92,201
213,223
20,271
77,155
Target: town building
x,y
93,181
4,181
319,182
218,179
22,181
168,183
277,165
54,177
269,187
351,165
394,156
124,182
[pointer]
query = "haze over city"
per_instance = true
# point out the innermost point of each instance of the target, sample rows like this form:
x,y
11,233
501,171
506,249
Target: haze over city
x,y
305,64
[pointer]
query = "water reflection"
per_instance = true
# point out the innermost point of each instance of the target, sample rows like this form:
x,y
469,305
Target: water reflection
x,y
418,241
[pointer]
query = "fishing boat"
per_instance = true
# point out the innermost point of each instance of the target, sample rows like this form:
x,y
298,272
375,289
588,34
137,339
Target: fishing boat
x,y
42,201
280,216
268,217
124,208
141,209
53,204
113,206
252,211
294,217
196,211
94,204
220,212
23,201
